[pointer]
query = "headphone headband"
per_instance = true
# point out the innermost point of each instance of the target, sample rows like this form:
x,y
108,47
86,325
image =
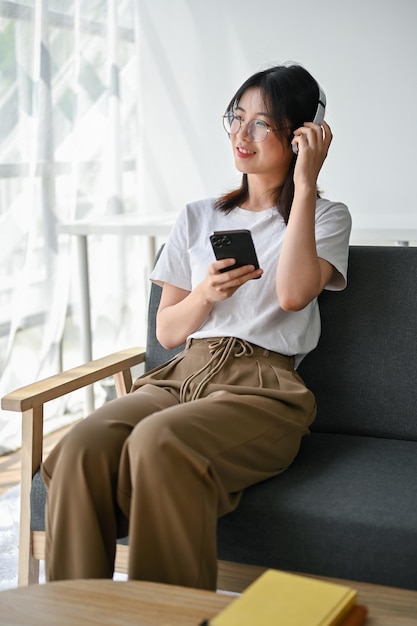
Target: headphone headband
x,y
321,107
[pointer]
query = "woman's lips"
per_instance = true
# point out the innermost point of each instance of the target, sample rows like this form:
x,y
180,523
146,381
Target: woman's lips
x,y
243,153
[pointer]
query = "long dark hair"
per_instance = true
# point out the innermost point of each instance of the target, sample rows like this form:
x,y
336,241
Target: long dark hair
x,y
291,97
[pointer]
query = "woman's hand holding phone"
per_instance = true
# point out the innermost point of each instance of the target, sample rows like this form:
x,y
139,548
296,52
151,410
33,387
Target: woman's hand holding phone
x,y
222,282
236,263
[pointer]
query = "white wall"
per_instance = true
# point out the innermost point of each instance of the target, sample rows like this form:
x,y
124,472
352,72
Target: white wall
x,y
194,54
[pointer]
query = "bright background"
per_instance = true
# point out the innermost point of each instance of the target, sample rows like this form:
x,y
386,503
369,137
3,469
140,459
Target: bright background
x,y
194,54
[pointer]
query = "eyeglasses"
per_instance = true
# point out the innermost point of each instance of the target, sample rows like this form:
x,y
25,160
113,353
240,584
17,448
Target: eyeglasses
x,y
257,130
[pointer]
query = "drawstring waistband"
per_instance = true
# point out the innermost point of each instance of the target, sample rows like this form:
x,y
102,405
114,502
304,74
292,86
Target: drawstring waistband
x,y
220,348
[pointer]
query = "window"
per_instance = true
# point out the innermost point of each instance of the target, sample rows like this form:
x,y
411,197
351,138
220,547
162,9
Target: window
x,y
68,140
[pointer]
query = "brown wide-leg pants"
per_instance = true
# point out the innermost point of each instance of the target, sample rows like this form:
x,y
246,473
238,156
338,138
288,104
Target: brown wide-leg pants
x,y
168,459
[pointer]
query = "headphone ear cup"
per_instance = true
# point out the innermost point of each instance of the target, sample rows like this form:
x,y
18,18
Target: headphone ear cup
x,y
318,117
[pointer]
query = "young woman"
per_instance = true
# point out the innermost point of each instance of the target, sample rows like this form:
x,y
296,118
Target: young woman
x,y
230,410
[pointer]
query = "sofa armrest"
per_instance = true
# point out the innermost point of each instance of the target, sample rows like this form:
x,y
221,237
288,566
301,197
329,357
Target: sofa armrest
x,y
36,394
29,401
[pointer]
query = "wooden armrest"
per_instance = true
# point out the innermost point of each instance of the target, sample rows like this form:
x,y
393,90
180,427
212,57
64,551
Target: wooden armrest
x,y
36,394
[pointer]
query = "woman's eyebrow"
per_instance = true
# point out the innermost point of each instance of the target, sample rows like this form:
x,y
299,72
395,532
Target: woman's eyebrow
x,y
239,108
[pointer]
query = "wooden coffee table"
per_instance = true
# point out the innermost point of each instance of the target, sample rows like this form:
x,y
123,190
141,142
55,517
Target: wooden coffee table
x,y
107,602
104,602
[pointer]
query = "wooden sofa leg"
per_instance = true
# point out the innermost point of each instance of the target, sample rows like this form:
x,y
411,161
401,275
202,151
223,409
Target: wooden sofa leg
x,y
123,382
32,441
28,569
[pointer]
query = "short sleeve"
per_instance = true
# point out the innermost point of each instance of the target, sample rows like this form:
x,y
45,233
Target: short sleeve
x,y
173,265
333,226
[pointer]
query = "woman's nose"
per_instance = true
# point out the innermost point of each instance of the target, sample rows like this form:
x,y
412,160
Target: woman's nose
x,y
243,130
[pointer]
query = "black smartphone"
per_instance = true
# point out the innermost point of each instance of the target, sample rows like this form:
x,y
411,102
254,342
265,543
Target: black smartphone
x,y
234,244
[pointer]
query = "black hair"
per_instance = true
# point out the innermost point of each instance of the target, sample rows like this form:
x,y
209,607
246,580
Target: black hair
x,y
291,97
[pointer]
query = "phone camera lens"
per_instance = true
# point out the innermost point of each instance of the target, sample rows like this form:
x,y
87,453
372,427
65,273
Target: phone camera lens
x,y
221,240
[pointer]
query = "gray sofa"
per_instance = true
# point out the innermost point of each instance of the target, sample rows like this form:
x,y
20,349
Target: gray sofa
x,y
347,507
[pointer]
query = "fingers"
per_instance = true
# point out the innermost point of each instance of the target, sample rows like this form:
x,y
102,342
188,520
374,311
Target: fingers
x,y
225,281
313,136
327,133
224,266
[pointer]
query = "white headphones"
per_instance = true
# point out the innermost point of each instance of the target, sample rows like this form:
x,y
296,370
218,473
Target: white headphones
x,y
319,114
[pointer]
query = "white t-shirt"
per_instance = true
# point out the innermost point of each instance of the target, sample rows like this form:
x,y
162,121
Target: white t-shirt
x,y
253,312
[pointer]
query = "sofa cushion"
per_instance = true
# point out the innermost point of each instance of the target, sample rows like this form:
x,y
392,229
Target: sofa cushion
x,y
364,368
346,508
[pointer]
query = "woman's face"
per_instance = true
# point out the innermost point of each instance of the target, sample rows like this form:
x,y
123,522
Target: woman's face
x,y
270,158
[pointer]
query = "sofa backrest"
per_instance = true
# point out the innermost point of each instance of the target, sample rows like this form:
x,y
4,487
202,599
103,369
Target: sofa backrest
x,y
363,371
155,353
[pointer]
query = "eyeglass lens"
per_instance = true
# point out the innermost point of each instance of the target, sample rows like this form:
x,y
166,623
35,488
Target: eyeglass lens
x,y
256,129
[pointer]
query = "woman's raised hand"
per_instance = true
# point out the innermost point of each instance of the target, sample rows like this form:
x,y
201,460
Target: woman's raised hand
x,y
313,145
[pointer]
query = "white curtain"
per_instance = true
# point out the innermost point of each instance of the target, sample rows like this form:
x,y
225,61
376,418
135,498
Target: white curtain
x,y
68,139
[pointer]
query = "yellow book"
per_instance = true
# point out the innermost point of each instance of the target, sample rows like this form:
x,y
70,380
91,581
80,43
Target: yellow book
x,y
277,598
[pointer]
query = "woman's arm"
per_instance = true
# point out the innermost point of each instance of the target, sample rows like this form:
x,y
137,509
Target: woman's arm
x,y
181,312
301,274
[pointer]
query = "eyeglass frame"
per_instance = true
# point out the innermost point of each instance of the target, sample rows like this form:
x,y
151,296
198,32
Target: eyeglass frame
x,y
227,115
